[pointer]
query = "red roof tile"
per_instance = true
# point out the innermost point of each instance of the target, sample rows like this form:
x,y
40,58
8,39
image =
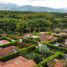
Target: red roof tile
x,y
58,63
19,62
4,42
6,51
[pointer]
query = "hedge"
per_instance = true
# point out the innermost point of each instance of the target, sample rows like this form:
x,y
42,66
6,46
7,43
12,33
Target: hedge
x,y
11,42
30,40
9,56
49,59
28,49
56,47
21,51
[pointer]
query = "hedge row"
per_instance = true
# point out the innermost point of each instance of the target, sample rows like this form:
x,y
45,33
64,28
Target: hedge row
x,y
26,50
56,47
9,56
21,51
30,40
11,42
49,59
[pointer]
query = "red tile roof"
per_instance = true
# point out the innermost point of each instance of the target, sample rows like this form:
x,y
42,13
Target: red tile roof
x,y
44,36
58,63
19,62
4,42
6,51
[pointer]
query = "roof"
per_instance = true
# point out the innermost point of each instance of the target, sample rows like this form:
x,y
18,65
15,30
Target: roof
x,y
4,42
19,62
3,34
6,51
58,63
44,36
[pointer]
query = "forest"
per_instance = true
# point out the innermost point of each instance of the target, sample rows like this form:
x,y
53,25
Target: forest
x,y
25,22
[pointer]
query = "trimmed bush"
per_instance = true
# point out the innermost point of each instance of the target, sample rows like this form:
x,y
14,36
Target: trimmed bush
x,y
49,59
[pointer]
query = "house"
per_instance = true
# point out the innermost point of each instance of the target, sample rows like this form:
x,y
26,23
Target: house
x,y
7,50
18,62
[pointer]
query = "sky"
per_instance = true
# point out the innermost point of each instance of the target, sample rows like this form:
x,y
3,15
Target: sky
x,y
44,3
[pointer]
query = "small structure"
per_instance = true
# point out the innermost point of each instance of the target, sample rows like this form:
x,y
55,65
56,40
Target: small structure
x,y
18,62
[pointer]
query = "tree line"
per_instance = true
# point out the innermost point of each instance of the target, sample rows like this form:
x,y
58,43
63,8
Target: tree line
x,y
23,22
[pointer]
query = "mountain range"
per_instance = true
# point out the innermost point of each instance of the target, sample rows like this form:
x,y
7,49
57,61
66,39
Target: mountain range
x,y
14,7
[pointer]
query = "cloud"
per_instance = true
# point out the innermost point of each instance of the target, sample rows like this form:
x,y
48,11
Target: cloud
x,y
46,3
37,0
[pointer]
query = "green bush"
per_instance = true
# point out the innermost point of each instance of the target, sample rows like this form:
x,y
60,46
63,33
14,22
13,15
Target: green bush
x,y
30,40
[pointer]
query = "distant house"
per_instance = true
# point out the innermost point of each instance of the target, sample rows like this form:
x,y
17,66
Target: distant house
x,y
2,35
57,30
65,30
7,50
43,36
26,36
18,62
